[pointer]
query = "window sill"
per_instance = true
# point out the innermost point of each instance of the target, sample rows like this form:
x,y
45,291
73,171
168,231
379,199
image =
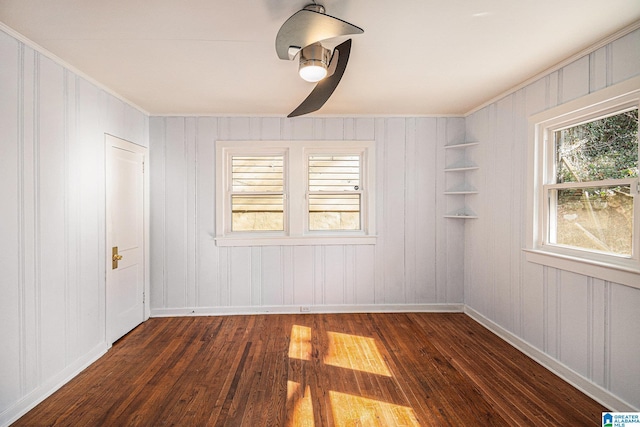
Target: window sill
x,y
295,241
625,275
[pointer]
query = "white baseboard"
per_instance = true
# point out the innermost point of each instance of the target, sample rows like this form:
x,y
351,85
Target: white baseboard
x,y
304,309
583,384
46,389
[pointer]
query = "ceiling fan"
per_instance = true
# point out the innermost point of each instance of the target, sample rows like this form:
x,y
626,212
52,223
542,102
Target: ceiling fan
x,y
301,35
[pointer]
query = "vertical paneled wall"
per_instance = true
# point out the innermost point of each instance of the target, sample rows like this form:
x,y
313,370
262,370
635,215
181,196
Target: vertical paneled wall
x,y
587,324
418,258
52,256
52,125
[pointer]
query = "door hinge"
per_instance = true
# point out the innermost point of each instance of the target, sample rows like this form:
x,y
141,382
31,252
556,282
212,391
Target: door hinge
x,y
142,167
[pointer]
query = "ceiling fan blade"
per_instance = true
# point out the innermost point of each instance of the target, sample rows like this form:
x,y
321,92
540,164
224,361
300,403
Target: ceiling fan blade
x,y
306,27
324,88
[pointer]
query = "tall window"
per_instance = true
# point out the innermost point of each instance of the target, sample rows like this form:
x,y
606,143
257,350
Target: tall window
x,y
295,192
586,198
591,195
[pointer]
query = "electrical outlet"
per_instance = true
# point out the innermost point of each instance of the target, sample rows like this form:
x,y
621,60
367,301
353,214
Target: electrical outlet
x,y
305,309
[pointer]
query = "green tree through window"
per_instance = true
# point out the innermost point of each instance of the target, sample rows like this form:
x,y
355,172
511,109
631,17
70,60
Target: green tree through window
x,y
599,214
602,149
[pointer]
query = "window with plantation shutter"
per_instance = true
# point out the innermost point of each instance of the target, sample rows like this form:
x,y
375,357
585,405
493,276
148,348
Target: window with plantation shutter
x,y
334,195
295,192
257,193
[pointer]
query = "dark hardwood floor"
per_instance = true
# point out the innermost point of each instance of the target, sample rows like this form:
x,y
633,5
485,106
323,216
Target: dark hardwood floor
x,y
427,369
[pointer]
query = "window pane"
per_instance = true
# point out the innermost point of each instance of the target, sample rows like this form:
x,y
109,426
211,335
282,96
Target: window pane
x,y
256,173
257,213
334,173
334,212
602,149
597,218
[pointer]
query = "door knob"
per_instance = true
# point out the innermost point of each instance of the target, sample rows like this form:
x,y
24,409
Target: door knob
x,y
115,257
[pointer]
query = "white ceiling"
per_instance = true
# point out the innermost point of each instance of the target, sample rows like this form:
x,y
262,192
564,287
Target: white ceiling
x,y
214,57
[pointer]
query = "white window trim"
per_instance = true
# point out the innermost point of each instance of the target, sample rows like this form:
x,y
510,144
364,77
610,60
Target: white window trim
x,y
603,266
295,165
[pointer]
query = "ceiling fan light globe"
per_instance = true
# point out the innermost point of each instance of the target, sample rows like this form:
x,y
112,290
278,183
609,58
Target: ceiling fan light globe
x,y
313,71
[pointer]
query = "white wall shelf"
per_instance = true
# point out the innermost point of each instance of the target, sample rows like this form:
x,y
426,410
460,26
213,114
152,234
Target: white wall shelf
x,y
461,167
461,146
465,188
458,167
462,213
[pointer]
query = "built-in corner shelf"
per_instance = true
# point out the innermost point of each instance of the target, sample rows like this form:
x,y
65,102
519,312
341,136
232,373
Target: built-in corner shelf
x,y
463,145
461,189
462,213
461,166
457,167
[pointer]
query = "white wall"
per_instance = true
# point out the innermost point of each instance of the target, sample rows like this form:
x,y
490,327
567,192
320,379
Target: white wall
x,y
52,255
52,125
587,324
416,262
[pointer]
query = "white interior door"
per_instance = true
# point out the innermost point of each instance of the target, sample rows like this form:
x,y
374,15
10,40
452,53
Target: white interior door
x,y
125,236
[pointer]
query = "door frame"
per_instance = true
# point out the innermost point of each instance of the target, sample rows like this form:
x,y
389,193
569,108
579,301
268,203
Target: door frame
x,y
114,141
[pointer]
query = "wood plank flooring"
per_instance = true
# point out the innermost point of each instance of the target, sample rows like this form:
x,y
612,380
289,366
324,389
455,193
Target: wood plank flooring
x,y
401,369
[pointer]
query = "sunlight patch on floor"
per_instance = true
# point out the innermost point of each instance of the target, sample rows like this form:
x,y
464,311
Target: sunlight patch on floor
x,y
300,344
355,352
344,351
349,410
301,413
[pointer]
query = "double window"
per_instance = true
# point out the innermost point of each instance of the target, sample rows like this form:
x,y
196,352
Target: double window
x,y
295,192
586,203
